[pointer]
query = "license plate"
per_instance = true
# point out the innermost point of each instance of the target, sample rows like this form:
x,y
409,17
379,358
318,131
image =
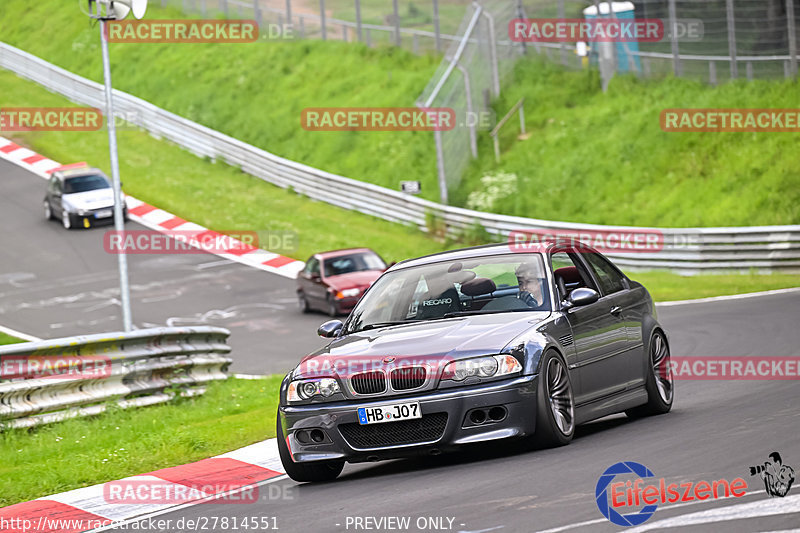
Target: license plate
x,y
389,413
103,214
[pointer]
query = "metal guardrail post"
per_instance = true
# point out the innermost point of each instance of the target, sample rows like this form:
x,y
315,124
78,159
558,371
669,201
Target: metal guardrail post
x,y
396,11
676,57
257,12
437,33
322,19
731,38
437,139
223,5
302,27
358,20
712,73
288,12
492,51
563,46
791,29
473,137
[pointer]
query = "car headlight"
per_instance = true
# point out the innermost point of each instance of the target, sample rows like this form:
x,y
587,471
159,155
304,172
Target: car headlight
x,y
347,293
482,367
82,212
306,389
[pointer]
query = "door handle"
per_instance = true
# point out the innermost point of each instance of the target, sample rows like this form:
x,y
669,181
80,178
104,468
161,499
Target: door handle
x,y
616,310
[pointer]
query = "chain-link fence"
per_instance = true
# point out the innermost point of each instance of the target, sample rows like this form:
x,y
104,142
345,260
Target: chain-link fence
x,y
711,40
418,26
470,75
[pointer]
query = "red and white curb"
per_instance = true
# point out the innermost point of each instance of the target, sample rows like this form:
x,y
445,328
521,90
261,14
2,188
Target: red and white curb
x,y
224,476
160,220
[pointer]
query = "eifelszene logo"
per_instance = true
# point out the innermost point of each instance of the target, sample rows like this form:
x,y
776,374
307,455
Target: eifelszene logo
x,y
615,499
778,477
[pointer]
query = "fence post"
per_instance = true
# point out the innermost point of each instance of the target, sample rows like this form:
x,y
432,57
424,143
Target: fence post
x,y
522,118
520,15
437,137
790,26
288,12
164,3
223,6
473,137
396,10
302,24
344,33
369,38
322,19
749,70
415,45
732,39
712,73
203,7
256,12
676,58
437,33
358,20
492,51
561,15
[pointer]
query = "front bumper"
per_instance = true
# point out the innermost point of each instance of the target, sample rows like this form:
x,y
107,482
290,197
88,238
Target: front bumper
x,y
517,396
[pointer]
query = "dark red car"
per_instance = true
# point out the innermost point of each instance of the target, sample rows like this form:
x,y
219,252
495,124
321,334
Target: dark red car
x,y
334,281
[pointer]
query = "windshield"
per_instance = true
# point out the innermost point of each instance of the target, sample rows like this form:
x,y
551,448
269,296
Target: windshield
x,y
85,183
345,264
494,284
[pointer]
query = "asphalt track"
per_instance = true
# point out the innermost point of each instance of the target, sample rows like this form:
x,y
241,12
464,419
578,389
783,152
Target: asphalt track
x,y
716,430
58,283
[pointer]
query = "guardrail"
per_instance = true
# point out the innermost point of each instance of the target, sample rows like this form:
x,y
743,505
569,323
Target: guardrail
x,y
685,250
51,380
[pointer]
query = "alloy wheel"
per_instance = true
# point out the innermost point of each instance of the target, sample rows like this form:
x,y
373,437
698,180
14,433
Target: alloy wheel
x,y
662,370
560,394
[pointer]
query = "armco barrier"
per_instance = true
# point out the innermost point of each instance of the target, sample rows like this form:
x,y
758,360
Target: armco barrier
x,y
685,250
143,367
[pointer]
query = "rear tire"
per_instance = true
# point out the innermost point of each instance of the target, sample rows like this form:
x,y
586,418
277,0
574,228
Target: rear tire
x,y
48,213
659,382
555,405
305,472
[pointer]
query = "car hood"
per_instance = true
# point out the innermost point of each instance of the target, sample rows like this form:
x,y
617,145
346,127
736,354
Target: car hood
x,y
361,279
96,199
435,340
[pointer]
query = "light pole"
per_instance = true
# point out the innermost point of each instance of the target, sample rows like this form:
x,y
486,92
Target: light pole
x,y
103,11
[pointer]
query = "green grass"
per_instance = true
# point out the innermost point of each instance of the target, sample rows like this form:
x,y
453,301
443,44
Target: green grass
x,y
591,156
86,451
222,198
602,158
8,339
666,286
254,92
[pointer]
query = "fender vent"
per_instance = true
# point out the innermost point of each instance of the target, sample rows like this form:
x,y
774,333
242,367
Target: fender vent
x,y
566,340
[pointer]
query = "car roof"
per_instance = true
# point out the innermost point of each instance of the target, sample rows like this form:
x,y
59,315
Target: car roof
x,y
483,251
77,172
344,251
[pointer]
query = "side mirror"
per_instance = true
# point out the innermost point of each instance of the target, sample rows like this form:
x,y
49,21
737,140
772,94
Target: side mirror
x,y
329,329
315,276
580,297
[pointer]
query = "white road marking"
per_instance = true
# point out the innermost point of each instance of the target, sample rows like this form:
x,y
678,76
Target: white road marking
x,y
741,511
18,334
728,297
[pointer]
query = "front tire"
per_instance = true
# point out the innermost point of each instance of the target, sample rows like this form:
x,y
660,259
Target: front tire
x,y
659,383
66,219
555,405
333,309
305,472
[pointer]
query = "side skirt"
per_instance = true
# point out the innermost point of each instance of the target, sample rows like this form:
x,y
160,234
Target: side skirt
x,y
610,405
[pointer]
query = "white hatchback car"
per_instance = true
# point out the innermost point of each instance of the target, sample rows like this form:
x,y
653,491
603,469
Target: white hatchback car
x,y
81,197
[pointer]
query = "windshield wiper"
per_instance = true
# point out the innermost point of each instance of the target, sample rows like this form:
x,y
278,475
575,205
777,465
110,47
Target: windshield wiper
x,y
490,312
383,324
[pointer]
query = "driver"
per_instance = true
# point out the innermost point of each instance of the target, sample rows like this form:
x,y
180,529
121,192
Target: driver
x,y
530,285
